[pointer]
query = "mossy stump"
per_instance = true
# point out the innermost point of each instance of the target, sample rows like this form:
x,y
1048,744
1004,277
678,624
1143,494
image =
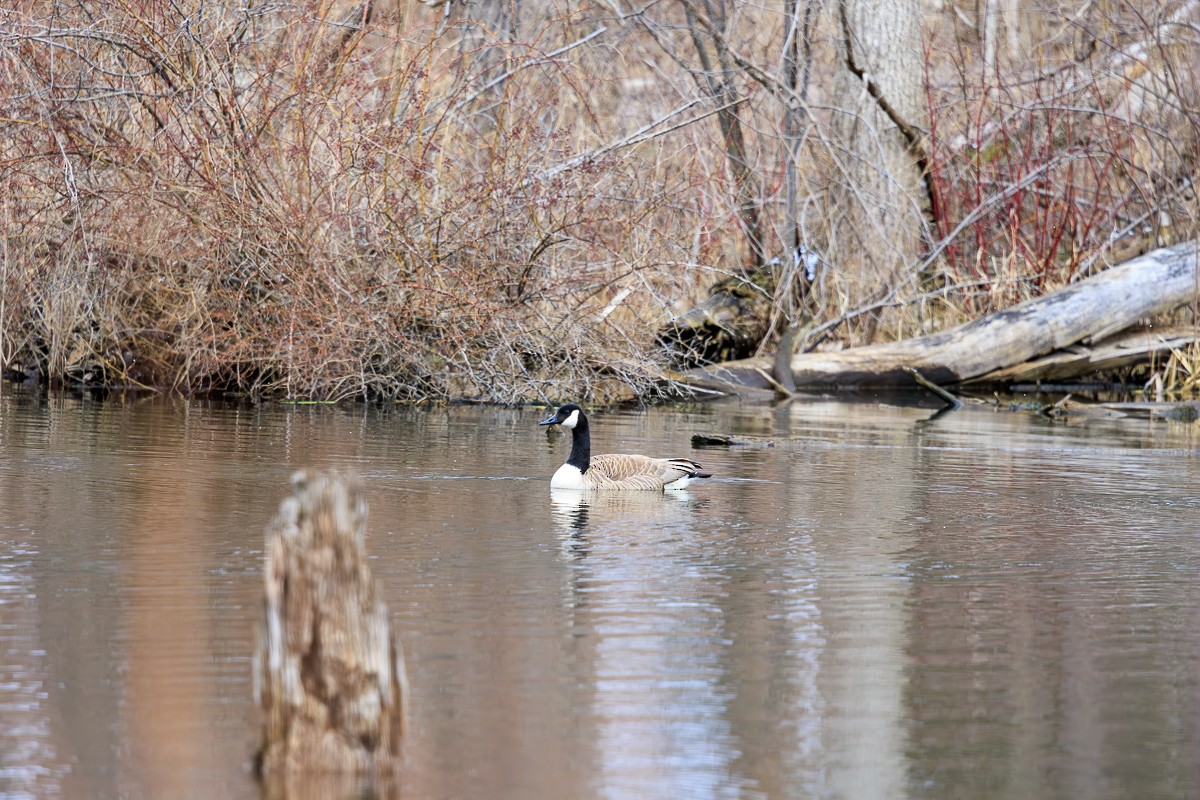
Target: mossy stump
x,y
328,673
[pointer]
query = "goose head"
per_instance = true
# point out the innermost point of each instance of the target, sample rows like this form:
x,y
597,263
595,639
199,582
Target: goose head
x,y
567,416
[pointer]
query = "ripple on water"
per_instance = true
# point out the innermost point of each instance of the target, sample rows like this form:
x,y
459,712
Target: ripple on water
x,y
906,607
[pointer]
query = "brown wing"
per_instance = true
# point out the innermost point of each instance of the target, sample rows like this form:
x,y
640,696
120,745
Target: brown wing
x,y
638,473
618,467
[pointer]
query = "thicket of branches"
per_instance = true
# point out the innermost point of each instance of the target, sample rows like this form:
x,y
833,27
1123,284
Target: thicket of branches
x,y
503,201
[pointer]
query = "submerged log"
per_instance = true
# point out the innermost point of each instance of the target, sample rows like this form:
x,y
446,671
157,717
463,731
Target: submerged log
x,y
1183,411
1064,408
329,674
1088,311
745,440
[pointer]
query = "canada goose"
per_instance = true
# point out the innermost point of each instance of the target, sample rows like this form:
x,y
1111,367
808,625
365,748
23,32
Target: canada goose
x,y
614,472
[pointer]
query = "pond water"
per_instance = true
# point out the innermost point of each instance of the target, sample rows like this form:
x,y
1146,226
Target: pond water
x,y
972,605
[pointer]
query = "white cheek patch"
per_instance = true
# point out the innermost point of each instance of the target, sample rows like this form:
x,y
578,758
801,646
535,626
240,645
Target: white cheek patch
x,y
571,421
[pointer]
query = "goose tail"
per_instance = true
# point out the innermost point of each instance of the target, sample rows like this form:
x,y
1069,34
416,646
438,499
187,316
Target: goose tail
x,y
691,471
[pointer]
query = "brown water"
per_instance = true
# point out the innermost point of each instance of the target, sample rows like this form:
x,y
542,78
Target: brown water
x,y
981,605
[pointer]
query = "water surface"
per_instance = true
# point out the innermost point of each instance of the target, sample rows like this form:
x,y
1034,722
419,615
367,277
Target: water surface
x,y
973,605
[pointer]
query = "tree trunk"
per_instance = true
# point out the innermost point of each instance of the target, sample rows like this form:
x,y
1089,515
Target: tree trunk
x,y
792,297
1089,311
718,76
877,218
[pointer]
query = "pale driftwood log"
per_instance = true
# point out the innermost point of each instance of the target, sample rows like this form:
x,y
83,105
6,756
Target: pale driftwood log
x,y
1122,350
1088,311
329,674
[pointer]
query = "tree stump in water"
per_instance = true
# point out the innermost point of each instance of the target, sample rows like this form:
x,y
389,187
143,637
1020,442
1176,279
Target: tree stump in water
x,y
328,674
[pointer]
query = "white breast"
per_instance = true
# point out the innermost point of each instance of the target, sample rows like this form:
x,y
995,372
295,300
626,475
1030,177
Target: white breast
x,y
567,477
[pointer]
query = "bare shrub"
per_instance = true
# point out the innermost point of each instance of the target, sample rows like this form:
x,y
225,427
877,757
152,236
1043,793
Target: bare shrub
x,y
1065,160
272,202
401,201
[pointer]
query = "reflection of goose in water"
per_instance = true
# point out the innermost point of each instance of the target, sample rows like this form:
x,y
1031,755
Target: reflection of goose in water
x,y
614,472
569,507
574,509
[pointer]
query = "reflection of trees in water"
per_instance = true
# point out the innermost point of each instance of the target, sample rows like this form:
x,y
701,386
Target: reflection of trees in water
x,y
643,638
701,635
1043,622
30,764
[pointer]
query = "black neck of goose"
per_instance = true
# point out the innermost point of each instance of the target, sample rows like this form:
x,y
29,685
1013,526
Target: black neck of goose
x,y
581,445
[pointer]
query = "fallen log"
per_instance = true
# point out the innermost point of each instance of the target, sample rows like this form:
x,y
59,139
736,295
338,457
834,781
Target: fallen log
x,y
1088,311
1122,350
328,673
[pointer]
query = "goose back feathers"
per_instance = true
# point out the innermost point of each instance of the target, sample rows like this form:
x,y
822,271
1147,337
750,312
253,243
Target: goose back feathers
x,y
612,471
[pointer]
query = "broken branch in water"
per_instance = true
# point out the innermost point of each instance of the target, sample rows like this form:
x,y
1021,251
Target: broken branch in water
x,y
933,387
